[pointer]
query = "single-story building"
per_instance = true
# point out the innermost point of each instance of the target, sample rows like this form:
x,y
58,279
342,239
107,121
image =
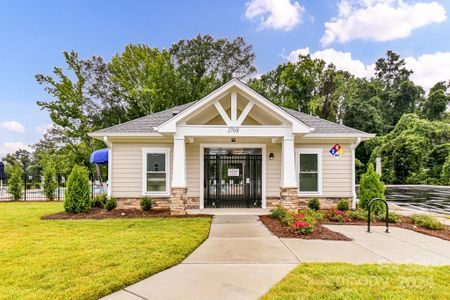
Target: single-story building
x,y
232,149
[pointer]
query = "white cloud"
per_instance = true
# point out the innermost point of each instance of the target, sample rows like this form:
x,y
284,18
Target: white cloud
x,y
12,126
44,128
276,14
11,147
342,60
380,20
428,68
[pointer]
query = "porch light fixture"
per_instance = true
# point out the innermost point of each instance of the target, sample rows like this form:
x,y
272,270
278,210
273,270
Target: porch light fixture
x,y
233,140
271,156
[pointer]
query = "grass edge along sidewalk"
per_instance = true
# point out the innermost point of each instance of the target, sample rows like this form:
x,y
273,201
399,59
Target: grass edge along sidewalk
x,y
86,259
348,281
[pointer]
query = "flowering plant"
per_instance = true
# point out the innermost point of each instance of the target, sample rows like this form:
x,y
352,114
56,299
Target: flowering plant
x,y
299,222
302,227
336,215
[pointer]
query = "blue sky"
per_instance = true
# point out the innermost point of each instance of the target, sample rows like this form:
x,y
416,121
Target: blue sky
x,y
350,33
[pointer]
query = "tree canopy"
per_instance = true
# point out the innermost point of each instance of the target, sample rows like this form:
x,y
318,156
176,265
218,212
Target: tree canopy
x,y
92,93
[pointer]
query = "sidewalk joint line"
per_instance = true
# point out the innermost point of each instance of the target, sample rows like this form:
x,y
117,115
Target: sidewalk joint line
x,y
134,294
289,249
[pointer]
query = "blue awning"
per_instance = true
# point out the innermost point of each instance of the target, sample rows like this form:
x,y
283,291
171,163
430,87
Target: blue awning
x,y
99,157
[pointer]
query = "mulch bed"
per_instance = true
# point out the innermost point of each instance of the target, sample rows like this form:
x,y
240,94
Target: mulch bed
x,y
321,233
98,213
406,223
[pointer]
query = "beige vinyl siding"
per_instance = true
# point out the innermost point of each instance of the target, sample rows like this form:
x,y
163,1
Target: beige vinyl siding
x,y
127,167
273,170
193,169
336,173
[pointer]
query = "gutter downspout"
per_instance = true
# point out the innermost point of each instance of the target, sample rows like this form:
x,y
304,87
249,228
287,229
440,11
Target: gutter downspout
x,y
354,196
109,145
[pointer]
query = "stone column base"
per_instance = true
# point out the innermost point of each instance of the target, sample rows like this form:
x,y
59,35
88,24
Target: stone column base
x,y
289,198
178,199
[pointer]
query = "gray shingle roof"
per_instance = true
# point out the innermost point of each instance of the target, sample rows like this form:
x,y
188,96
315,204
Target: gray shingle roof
x,y
146,124
322,126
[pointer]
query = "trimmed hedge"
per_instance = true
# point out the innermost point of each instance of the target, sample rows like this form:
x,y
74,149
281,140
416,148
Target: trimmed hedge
x,y
15,185
77,198
111,204
146,203
314,204
371,187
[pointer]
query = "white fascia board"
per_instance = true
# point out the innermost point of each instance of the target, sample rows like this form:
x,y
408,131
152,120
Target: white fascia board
x,y
340,135
124,134
297,125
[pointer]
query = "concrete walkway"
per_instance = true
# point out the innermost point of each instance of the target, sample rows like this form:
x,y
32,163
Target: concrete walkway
x,y
399,246
241,259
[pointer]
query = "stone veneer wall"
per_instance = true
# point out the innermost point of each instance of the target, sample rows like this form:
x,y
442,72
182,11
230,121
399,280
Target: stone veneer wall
x,y
128,203
302,202
194,203
178,201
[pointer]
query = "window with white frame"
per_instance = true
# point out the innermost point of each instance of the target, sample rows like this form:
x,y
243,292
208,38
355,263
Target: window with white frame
x,y
156,170
309,171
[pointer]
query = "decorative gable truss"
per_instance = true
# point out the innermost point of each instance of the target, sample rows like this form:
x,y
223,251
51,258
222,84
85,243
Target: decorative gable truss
x,y
234,120
235,106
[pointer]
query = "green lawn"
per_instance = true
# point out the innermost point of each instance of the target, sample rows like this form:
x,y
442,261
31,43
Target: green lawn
x,y
86,259
346,281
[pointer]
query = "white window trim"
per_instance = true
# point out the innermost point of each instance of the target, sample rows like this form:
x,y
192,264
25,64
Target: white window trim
x,y
159,150
317,151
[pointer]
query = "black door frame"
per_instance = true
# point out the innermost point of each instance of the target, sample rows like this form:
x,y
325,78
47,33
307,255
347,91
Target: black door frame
x,y
249,191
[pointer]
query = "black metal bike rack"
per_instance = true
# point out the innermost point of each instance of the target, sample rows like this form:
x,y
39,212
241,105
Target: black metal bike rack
x,y
387,213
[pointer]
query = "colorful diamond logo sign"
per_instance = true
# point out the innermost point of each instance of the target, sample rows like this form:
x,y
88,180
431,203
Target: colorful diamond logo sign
x,y
337,151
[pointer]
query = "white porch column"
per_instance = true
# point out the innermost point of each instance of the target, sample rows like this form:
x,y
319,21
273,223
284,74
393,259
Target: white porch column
x,y
179,162
289,179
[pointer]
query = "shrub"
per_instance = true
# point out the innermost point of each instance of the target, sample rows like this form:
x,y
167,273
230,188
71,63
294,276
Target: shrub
x,y
50,182
358,215
146,203
427,221
302,227
393,217
314,204
316,215
111,203
300,223
99,200
371,187
342,205
336,215
278,212
77,194
288,218
15,185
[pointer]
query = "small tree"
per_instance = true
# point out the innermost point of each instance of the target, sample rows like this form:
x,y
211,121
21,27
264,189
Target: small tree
x,y
371,187
77,194
15,185
50,182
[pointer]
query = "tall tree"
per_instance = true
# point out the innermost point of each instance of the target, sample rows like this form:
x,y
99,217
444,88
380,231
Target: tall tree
x,y
204,63
438,100
391,71
292,85
70,108
145,78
